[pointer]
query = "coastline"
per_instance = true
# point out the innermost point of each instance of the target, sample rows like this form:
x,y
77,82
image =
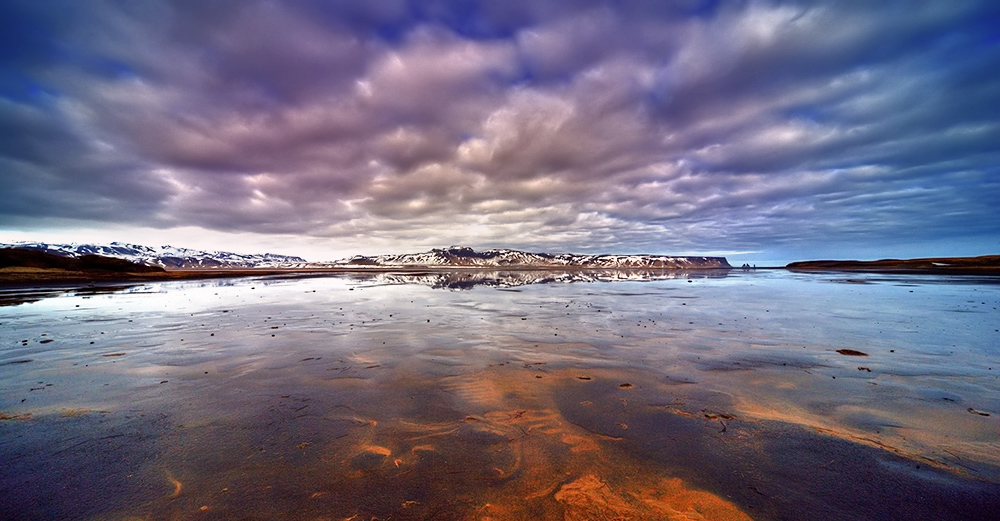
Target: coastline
x,y
981,265
49,273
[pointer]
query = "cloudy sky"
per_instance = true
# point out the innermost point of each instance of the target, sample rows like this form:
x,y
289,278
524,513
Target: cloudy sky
x,y
764,131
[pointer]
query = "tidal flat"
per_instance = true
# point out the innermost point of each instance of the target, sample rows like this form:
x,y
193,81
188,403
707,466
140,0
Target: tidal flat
x,y
467,394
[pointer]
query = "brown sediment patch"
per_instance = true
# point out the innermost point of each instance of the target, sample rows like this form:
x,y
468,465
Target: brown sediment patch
x,y
9,417
375,449
716,415
482,393
851,352
918,431
591,498
579,443
176,485
512,454
71,413
112,355
678,501
681,412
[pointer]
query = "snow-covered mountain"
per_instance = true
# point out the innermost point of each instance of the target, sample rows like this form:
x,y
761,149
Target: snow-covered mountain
x,y
455,256
464,256
166,256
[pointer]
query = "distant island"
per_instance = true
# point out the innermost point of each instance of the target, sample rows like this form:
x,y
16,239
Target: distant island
x,y
985,264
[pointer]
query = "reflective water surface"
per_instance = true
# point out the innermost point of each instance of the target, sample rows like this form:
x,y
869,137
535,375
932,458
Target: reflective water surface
x,y
504,395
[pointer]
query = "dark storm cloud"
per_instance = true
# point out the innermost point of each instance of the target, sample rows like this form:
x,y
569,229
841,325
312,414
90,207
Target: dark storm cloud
x,y
581,126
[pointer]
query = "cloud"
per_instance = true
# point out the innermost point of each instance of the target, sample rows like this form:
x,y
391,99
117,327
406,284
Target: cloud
x,y
571,125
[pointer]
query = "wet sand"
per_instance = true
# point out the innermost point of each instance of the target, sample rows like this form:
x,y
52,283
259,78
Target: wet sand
x,y
333,399
495,444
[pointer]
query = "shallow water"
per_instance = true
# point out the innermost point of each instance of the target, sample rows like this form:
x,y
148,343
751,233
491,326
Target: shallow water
x,y
505,395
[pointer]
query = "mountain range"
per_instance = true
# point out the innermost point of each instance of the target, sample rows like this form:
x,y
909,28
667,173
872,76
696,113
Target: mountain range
x,y
166,256
503,258
456,256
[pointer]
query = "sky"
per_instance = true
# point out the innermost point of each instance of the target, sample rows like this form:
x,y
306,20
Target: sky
x,y
764,131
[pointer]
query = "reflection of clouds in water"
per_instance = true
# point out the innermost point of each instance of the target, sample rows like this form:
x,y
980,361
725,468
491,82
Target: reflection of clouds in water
x,y
383,391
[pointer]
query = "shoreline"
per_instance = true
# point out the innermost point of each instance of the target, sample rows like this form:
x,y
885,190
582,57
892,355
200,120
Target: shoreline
x,y
33,277
12,277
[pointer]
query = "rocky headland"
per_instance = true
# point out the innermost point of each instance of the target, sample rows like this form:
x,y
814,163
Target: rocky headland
x,y
981,265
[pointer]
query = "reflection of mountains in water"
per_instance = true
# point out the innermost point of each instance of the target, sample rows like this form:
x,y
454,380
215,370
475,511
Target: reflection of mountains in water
x,y
17,296
467,279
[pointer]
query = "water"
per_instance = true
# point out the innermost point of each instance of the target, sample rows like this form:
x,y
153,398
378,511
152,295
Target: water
x,y
505,395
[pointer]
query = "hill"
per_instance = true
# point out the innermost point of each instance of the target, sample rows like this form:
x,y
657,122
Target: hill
x,y
26,258
956,265
168,257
